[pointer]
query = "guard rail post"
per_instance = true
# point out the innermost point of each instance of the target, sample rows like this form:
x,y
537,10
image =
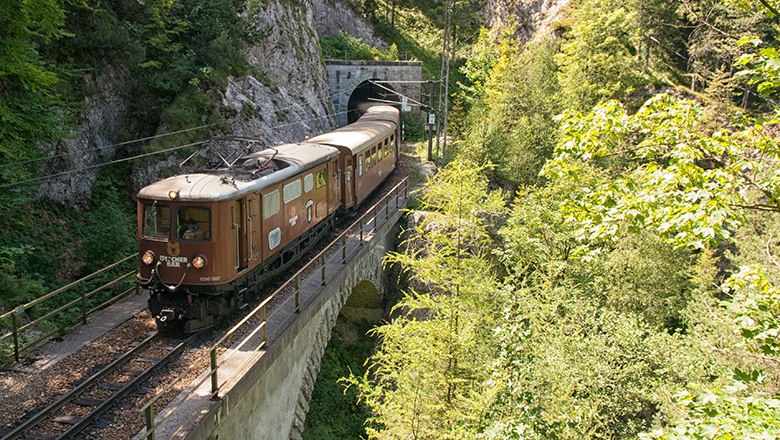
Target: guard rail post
x,y
361,231
214,378
149,416
264,323
344,249
15,331
324,260
298,293
84,308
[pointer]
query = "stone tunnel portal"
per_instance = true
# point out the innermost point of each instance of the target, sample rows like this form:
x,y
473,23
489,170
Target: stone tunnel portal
x,y
362,96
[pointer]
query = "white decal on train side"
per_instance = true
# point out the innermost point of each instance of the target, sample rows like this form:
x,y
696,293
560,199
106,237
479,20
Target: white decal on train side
x,y
173,261
293,220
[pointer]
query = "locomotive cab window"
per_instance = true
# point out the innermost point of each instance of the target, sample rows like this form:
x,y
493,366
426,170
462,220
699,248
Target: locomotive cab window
x,y
193,223
320,179
157,221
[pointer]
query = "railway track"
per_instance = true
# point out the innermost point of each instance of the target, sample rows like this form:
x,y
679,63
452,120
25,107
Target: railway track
x,y
72,412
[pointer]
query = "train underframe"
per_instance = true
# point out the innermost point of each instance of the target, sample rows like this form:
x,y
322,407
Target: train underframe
x,y
192,308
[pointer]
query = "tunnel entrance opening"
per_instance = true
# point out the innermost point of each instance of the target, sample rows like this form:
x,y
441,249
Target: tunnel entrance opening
x,y
359,99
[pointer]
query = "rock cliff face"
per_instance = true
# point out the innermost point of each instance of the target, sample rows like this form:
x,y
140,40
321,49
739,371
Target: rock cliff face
x,y
104,117
285,99
535,18
289,99
334,16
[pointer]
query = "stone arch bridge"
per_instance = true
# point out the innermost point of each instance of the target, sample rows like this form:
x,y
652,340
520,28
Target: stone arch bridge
x,y
259,386
349,82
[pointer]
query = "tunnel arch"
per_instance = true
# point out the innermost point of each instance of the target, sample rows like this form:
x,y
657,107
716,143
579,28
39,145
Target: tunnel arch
x,y
363,304
359,97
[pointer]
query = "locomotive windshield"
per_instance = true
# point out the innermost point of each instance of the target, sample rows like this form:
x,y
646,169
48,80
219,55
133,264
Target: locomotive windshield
x,y
194,223
157,220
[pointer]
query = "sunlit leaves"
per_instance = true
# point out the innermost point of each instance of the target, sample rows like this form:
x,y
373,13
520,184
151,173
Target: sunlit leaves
x,y
728,413
755,306
690,185
762,68
598,59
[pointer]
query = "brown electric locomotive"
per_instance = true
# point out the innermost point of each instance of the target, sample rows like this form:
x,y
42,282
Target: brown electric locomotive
x,y
208,238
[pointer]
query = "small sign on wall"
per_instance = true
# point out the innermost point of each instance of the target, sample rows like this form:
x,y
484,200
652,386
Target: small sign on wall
x,y
405,104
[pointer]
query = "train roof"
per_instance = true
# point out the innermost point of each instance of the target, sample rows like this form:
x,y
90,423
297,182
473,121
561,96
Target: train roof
x,y
378,121
252,172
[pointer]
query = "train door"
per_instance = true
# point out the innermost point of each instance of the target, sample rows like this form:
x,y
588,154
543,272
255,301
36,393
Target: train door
x,y
254,227
238,212
335,194
349,183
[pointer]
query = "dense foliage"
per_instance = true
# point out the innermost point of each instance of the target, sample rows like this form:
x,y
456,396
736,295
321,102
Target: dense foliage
x,y
627,284
168,56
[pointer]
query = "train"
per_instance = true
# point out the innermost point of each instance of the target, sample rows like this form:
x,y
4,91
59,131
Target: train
x,y
208,238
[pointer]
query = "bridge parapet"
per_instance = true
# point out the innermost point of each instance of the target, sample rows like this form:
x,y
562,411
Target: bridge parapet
x,y
259,387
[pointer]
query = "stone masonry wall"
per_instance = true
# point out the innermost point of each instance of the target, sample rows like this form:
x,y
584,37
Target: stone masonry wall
x,y
370,269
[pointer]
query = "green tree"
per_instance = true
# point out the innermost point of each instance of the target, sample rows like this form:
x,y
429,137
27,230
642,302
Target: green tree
x,y
27,81
511,124
428,377
599,57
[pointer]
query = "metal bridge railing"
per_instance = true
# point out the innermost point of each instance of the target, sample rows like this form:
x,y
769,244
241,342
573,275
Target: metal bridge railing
x,y
14,318
281,308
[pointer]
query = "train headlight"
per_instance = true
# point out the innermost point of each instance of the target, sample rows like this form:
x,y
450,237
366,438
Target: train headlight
x,y
199,262
173,195
148,258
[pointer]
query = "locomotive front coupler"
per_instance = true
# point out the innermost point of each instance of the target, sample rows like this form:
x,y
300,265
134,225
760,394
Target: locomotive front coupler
x,y
168,315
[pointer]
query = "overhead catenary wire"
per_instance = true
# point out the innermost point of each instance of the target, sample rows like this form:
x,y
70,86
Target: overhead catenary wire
x,y
161,135
119,144
98,165
167,150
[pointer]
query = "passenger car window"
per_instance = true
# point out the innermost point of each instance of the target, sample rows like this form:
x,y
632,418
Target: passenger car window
x,y
193,223
157,221
308,182
270,204
292,190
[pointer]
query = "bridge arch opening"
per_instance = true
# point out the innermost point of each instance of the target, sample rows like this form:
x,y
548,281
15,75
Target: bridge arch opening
x,y
363,304
362,96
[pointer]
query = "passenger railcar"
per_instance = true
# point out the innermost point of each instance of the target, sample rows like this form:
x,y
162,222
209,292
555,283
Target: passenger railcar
x,y
208,238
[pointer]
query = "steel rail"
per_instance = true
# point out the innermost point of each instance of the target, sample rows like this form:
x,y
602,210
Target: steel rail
x,y
103,407
65,399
